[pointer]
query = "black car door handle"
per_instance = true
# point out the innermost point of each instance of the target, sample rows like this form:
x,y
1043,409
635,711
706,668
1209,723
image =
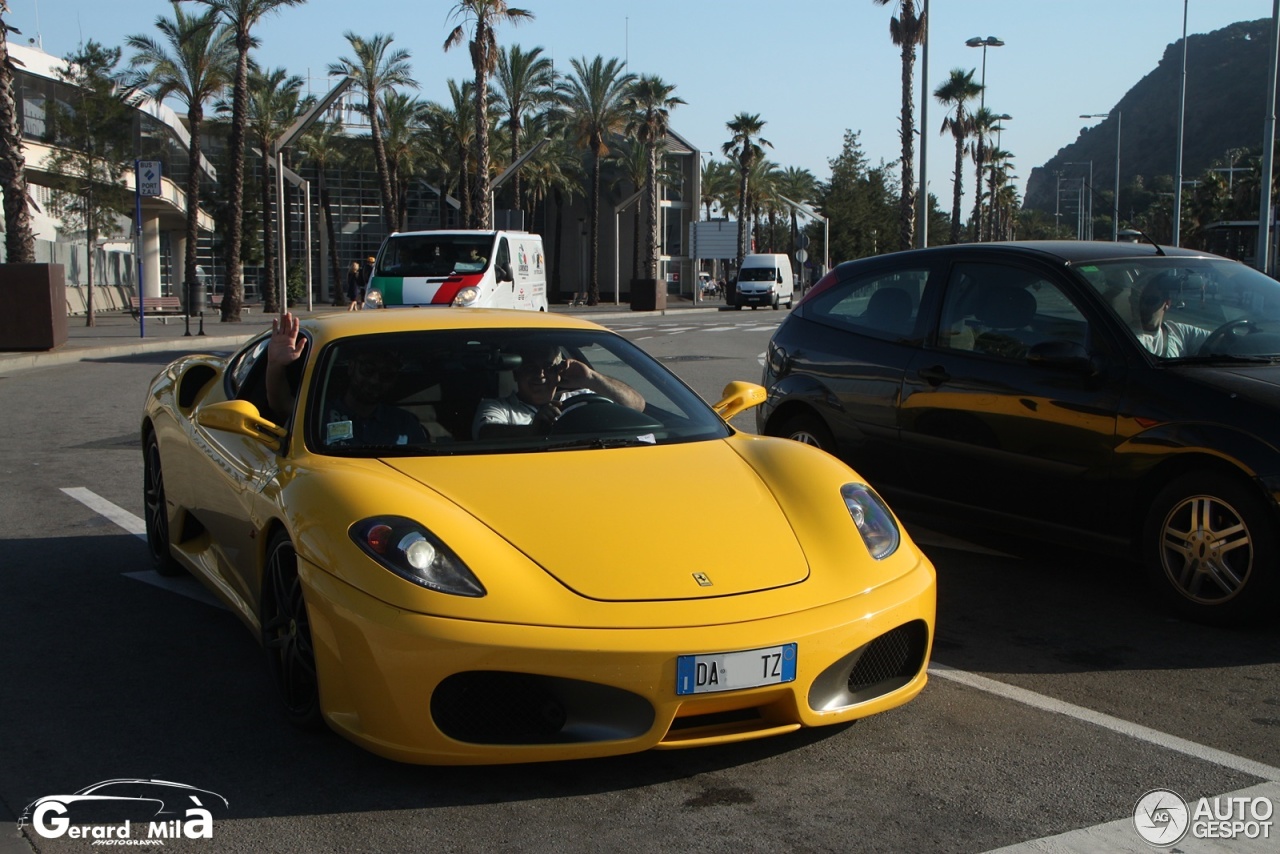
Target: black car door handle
x,y
936,375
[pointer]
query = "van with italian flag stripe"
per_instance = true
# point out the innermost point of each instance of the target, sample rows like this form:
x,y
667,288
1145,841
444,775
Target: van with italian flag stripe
x,y
472,269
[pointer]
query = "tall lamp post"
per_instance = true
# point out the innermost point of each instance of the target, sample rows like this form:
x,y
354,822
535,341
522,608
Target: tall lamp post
x,y
1182,118
979,41
1084,231
1115,209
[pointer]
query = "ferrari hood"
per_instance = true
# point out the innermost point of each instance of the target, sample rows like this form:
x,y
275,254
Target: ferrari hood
x,y
629,524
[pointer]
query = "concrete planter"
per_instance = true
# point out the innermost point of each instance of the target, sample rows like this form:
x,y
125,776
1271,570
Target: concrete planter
x,y
33,306
648,295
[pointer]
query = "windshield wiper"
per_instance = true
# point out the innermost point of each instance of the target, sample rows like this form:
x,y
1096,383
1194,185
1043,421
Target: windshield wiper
x,y
596,443
1228,358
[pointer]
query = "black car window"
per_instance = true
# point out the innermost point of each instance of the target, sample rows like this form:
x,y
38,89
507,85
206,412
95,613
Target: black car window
x,y
1004,311
880,304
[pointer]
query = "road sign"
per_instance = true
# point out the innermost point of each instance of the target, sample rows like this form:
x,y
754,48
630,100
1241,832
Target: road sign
x,y
802,255
149,177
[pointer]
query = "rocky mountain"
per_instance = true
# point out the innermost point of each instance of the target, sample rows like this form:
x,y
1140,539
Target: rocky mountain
x,y
1226,92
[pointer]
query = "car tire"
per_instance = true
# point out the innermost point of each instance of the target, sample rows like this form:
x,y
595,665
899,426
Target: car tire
x,y
286,635
156,508
807,429
1210,546
775,303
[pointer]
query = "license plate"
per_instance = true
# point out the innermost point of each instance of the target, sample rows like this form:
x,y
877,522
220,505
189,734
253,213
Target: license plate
x,y
732,671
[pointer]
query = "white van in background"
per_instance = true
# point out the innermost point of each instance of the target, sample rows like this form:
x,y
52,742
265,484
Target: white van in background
x,y
765,279
472,269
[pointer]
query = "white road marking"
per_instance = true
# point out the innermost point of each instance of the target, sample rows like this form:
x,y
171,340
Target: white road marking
x,y
103,507
1120,837
1119,725
183,586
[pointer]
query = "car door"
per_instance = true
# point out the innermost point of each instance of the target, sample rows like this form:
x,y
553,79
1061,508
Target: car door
x,y
1011,409
847,347
239,476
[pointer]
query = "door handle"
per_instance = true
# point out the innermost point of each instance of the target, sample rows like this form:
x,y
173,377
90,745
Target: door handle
x,y
935,375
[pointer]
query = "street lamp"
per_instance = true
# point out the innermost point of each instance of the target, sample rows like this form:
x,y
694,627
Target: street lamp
x,y
979,41
1003,117
1084,231
1115,210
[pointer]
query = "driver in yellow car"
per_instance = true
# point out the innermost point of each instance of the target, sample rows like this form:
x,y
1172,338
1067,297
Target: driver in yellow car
x,y
545,380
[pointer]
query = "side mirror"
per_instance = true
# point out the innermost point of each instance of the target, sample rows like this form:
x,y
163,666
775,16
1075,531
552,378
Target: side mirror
x,y
242,418
503,273
739,397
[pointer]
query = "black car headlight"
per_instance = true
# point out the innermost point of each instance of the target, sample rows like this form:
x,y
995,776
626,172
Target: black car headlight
x,y
415,554
871,515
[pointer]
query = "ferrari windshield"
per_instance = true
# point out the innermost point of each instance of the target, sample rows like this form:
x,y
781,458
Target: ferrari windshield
x,y
485,391
1181,308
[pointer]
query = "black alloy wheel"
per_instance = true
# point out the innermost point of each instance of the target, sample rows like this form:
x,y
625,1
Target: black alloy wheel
x,y
1210,545
157,511
286,635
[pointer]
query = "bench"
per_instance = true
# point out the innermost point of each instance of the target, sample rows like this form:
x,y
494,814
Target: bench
x,y
162,307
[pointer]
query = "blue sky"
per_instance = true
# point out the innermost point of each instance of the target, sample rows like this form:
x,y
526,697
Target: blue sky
x,y
810,68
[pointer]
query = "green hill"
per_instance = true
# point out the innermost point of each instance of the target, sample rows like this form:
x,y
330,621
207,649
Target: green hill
x,y
1226,91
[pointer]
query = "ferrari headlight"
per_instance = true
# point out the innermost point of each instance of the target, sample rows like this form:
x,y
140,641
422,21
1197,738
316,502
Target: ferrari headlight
x,y
872,518
373,298
415,554
467,296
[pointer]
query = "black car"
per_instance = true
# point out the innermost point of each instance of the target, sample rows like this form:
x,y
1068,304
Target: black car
x,y
1114,396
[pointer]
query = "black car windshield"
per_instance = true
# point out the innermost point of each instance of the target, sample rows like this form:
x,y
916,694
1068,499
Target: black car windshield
x,y
497,391
435,255
1182,308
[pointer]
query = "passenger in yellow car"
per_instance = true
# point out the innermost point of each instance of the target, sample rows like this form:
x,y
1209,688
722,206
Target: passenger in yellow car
x,y
357,415
545,382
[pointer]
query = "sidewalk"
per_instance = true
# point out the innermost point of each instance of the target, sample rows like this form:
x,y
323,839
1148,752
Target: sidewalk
x,y
116,333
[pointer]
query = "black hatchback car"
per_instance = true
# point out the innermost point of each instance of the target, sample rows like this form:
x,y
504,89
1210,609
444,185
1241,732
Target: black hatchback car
x,y
1115,396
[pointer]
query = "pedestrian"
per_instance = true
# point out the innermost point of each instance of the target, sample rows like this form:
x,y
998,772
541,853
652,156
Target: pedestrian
x,y
366,273
354,279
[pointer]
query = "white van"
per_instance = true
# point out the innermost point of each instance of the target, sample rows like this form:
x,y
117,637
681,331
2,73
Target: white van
x,y
473,269
765,280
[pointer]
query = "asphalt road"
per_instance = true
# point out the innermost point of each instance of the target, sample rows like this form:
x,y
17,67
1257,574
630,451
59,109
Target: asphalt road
x,y
1060,693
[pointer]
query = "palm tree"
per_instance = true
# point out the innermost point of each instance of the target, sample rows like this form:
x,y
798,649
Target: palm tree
x,y
907,29
745,146
798,185
453,123
593,98
195,62
19,240
406,118
982,121
484,16
526,81
321,146
651,103
377,69
241,16
956,93
998,162
273,107
718,185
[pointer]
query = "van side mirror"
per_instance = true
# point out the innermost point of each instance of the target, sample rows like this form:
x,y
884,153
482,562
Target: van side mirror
x,y
779,277
503,272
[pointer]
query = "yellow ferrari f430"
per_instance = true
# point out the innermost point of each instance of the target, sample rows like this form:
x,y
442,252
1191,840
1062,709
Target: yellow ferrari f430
x,y
479,536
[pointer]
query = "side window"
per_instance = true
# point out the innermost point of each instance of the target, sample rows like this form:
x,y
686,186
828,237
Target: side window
x,y
502,264
885,305
242,366
1003,311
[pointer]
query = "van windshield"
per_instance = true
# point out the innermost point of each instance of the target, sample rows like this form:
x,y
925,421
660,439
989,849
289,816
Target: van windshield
x,y
435,255
758,274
